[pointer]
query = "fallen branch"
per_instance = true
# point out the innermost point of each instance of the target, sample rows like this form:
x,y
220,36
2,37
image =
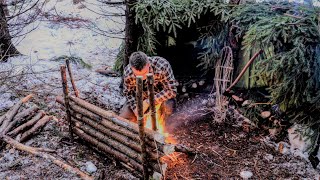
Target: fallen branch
x,y
19,118
13,111
27,124
40,153
42,122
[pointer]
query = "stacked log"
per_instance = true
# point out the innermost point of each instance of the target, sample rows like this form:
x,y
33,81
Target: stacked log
x,y
23,124
119,137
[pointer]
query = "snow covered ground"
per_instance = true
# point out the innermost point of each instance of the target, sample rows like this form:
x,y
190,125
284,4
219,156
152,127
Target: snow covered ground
x,y
53,39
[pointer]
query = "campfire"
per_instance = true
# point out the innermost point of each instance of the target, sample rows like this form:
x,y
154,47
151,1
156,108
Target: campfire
x,y
160,124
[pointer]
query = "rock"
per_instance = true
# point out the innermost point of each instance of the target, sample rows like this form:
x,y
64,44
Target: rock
x,y
194,85
273,132
90,167
246,174
268,157
201,83
265,114
246,102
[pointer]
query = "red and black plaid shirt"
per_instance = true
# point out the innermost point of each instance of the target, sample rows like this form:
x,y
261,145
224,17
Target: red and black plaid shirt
x,y
165,85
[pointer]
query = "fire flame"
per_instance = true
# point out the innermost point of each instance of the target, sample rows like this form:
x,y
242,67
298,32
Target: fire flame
x,y
161,124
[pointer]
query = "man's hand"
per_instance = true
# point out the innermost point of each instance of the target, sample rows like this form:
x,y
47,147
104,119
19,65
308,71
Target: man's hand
x,y
145,107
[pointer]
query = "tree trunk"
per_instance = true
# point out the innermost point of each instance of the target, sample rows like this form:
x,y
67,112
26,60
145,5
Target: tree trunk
x,y
7,49
132,32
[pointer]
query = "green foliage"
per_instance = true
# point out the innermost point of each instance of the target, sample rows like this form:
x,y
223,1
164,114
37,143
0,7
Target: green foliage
x,y
72,59
119,60
167,16
287,33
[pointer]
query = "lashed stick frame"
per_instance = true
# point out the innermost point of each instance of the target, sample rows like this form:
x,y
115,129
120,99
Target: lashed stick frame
x,y
136,147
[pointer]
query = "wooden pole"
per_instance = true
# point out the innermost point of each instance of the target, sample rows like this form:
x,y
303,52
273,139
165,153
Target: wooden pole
x,y
139,100
76,91
151,100
66,98
244,70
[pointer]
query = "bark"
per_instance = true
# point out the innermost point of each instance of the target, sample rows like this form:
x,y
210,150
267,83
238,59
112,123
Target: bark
x,y
7,49
66,97
132,163
40,152
139,100
132,32
110,142
27,124
152,102
107,149
13,111
112,134
71,78
119,127
19,118
112,117
42,122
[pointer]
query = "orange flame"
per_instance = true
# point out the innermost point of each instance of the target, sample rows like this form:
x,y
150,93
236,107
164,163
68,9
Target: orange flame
x,y
161,125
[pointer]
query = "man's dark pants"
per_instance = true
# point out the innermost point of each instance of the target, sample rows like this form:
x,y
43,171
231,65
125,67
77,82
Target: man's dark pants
x,y
166,107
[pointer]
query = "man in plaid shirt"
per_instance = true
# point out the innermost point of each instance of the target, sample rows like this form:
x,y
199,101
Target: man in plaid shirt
x,y
164,84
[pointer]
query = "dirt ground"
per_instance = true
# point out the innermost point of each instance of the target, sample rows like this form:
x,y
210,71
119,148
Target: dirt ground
x,y
223,152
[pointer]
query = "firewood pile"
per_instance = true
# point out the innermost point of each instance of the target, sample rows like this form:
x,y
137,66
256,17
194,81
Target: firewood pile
x,y
19,124
22,123
118,137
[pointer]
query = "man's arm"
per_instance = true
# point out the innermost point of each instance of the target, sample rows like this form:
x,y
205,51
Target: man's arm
x,y
169,85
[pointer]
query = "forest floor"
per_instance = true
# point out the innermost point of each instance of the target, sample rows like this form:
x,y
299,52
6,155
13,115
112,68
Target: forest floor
x,y
224,151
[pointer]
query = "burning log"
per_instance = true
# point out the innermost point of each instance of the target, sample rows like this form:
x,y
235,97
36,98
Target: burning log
x,y
19,118
42,153
27,124
42,122
12,112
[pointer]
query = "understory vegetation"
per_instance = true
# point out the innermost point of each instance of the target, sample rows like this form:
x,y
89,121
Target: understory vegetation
x,y
288,34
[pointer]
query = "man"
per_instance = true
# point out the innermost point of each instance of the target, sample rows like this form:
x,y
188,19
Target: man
x,y
164,84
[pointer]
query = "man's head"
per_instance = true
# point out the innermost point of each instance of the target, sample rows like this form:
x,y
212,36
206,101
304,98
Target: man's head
x,y
139,64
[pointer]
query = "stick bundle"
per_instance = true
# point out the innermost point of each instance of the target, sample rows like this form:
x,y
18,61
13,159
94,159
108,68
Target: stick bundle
x,y
118,137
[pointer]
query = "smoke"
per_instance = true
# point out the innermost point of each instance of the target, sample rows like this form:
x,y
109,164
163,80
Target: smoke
x,y
193,110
